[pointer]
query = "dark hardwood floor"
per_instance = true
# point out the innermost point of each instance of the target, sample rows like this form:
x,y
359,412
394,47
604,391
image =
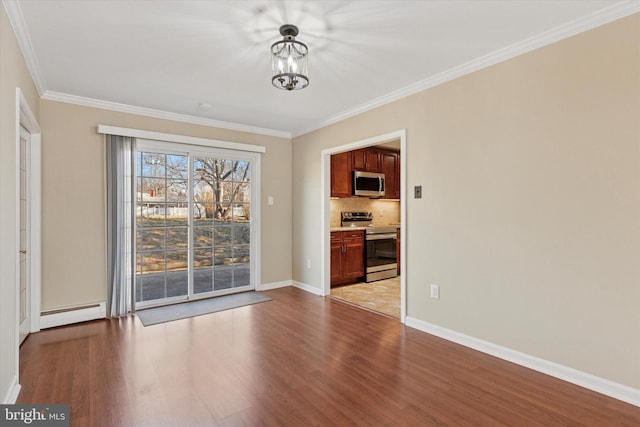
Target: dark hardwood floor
x,y
298,360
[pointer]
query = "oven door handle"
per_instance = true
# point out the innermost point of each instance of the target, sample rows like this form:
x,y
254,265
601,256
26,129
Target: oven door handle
x,y
381,236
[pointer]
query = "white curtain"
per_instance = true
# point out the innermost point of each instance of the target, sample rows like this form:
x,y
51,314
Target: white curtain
x,y
121,205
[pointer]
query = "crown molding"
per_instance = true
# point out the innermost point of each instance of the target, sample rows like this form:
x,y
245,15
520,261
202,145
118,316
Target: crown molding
x,y
14,13
159,114
588,22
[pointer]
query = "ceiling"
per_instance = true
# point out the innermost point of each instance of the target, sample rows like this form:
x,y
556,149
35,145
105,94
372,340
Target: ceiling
x,y
171,58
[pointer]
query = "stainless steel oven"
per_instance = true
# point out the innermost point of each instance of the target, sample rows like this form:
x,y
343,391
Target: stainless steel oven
x,y
382,261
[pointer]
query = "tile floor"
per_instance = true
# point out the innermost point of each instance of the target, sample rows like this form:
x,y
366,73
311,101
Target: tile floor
x,y
382,296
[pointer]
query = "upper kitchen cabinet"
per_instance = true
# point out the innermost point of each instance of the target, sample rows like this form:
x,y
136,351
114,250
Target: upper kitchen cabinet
x,y
367,159
391,169
341,174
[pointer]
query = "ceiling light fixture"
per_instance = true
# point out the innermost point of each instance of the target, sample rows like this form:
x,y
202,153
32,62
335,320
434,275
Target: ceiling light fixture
x,y
289,61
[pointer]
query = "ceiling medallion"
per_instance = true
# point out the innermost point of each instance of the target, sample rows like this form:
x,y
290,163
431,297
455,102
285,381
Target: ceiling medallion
x,y
289,61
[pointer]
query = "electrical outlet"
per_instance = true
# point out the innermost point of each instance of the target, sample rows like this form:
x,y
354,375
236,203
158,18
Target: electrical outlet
x,y
435,291
309,263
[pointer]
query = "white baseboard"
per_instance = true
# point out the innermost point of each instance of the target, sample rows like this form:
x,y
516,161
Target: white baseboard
x,y
73,315
285,283
12,393
274,285
308,288
583,379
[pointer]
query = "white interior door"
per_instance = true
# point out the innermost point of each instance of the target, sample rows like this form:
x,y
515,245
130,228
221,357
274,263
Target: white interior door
x,y
25,215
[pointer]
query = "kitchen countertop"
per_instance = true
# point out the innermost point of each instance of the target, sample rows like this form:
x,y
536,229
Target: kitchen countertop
x,y
349,228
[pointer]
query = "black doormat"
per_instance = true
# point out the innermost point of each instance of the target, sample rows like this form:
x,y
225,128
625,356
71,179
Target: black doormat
x,y
153,316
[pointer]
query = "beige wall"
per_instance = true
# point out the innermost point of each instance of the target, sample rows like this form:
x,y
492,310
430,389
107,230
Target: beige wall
x,y
530,215
73,199
13,73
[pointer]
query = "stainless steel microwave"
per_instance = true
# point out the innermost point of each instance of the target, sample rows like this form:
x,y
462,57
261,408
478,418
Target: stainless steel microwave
x,y
368,184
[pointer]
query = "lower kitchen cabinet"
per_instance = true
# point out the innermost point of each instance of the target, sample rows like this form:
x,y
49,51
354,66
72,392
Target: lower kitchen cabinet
x,y
347,256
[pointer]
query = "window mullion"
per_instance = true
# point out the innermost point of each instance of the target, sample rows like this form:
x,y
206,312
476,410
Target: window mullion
x,y
190,210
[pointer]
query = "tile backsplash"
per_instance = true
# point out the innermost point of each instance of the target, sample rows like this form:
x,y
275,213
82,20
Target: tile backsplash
x,y
385,212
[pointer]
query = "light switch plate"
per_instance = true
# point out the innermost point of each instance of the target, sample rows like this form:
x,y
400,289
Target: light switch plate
x,y
417,192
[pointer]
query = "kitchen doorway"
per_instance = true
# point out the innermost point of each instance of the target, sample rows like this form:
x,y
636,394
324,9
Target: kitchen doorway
x,y
344,278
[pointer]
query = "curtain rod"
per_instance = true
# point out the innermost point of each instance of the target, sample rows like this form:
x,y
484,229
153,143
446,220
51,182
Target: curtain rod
x,y
181,139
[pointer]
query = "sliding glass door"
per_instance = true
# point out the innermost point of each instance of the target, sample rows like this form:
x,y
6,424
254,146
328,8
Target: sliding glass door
x,y
221,224
193,222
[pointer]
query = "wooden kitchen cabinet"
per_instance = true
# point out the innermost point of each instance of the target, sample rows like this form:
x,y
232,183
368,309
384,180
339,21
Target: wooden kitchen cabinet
x,y
391,169
398,176
367,159
347,256
353,253
341,174
358,160
336,258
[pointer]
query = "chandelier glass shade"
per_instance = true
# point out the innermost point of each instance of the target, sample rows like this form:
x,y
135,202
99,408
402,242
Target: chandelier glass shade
x,y
289,61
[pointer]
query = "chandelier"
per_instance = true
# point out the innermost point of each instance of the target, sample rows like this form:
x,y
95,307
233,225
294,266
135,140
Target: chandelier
x,y
289,61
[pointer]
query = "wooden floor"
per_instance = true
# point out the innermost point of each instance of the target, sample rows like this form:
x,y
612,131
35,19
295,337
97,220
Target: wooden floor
x,y
298,360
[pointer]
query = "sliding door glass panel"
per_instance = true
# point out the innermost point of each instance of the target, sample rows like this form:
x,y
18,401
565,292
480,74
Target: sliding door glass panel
x,y
203,220
222,201
162,226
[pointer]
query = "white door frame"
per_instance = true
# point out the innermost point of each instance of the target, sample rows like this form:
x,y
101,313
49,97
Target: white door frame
x,y
26,119
325,194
